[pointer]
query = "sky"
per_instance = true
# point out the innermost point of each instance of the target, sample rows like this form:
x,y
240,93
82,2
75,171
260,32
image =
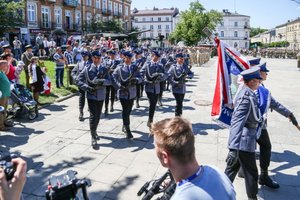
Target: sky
x,y
264,13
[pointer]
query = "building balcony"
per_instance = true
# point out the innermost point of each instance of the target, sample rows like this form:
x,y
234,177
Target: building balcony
x,y
106,12
71,3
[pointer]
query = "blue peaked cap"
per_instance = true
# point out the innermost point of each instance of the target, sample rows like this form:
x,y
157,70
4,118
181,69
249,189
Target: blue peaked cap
x,y
252,73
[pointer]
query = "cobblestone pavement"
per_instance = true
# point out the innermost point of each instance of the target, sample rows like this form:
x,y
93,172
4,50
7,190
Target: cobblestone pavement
x,y
56,141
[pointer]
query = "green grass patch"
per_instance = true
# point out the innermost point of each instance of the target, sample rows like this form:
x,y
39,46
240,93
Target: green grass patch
x,y
55,92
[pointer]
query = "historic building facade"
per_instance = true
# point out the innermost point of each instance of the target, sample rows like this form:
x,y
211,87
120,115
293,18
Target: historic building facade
x,y
157,21
235,30
71,16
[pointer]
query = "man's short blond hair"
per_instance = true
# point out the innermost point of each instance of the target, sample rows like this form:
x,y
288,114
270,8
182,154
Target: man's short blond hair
x,y
175,136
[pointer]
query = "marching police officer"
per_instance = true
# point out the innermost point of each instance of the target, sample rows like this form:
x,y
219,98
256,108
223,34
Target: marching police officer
x,y
153,73
139,61
263,139
75,72
111,64
242,139
177,75
94,78
125,77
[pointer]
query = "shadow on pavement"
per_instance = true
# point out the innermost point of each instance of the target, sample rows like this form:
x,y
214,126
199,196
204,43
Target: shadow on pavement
x,y
288,161
55,108
199,128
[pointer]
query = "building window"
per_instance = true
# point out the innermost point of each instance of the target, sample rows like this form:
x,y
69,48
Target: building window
x,y
246,45
167,35
246,24
144,27
120,9
246,35
88,18
235,23
159,27
167,19
151,19
222,34
115,8
159,19
167,27
235,34
77,18
151,27
31,12
68,18
222,23
104,5
57,17
109,6
89,2
144,19
98,4
151,35
126,11
136,20
144,35
45,17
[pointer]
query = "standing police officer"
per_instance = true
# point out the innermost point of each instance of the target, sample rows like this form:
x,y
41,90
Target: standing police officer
x,y
111,64
154,73
125,77
177,75
94,78
75,72
242,139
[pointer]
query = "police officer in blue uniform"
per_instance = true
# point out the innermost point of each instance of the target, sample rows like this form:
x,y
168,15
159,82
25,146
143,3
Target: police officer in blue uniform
x,y
94,79
242,139
177,76
125,77
75,72
139,61
153,73
264,140
111,64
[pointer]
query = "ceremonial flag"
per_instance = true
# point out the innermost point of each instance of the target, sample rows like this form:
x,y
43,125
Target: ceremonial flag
x,y
230,64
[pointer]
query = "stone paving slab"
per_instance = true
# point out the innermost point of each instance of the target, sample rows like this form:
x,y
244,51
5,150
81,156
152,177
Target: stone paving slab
x,y
56,141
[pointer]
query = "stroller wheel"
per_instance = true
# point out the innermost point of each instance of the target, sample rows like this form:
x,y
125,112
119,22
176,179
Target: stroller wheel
x,y
32,115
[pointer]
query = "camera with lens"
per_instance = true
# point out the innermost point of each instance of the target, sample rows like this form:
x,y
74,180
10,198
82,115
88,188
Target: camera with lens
x,y
7,166
66,186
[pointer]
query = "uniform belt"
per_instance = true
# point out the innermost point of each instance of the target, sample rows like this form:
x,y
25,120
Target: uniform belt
x,y
251,125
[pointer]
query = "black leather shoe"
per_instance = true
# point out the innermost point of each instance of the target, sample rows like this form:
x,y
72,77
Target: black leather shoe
x,y
94,143
137,105
128,132
159,103
123,129
105,112
81,116
267,181
8,124
111,109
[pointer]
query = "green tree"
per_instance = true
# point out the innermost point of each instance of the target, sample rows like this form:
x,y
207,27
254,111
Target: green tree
x,y
256,31
97,26
193,21
11,15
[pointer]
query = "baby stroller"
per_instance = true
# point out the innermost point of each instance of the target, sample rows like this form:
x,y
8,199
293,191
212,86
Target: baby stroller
x,y
22,102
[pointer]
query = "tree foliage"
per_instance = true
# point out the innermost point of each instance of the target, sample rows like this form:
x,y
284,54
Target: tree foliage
x,y
11,15
193,21
97,26
256,31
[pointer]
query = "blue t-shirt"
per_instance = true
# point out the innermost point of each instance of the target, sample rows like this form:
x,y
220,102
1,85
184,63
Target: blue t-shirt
x,y
210,184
